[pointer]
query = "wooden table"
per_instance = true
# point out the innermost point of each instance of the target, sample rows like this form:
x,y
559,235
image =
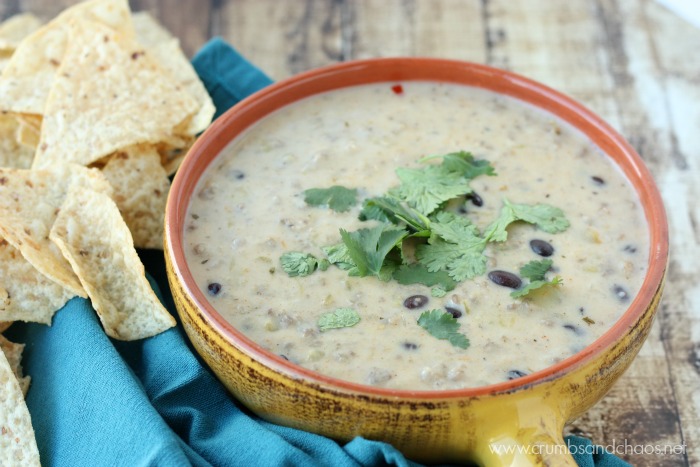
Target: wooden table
x,y
632,61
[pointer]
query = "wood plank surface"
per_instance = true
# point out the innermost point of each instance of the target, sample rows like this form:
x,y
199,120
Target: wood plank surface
x,y
631,61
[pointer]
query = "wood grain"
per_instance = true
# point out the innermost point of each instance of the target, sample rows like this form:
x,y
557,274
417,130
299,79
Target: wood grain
x,y
631,61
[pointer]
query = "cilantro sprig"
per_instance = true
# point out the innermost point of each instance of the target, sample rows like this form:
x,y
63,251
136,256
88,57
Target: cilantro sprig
x,y
368,248
535,271
426,188
417,239
300,264
444,326
339,318
338,198
544,216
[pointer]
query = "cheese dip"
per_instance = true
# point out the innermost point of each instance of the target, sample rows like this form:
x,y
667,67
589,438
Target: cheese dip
x,y
250,209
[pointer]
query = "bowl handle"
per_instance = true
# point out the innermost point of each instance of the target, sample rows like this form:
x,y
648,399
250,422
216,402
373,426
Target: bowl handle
x,y
534,440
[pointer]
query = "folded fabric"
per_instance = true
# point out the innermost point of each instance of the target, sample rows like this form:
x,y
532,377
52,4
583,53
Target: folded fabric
x,y
97,401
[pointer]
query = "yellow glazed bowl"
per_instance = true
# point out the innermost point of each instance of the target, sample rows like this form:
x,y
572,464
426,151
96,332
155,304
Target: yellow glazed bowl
x,y
485,424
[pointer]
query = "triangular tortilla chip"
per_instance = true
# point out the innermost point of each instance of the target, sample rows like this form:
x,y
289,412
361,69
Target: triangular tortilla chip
x,y
16,28
172,151
149,31
27,135
17,442
27,78
140,190
13,352
12,153
167,52
93,236
29,203
5,56
109,94
26,294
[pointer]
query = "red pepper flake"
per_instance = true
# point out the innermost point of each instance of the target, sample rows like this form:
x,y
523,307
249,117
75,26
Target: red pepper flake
x,y
397,88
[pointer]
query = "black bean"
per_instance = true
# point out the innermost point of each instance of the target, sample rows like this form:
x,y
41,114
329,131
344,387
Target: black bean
x,y
541,247
415,301
410,346
214,288
456,313
598,180
475,199
621,293
513,374
572,328
505,278
630,249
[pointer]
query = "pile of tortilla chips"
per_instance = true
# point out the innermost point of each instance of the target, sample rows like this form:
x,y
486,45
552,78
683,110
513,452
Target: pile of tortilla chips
x,y
97,109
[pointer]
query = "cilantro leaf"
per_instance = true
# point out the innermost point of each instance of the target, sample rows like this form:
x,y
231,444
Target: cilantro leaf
x,y
454,228
427,188
459,340
388,209
339,318
444,326
546,217
369,247
534,285
535,270
299,264
338,254
419,274
455,247
338,198
463,162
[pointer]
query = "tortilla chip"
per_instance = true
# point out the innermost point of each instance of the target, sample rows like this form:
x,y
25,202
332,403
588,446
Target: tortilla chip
x,y
172,151
109,94
16,28
12,153
26,294
5,56
140,191
17,442
13,352
28,76
29,203
149,31
28,136
167,52
93,236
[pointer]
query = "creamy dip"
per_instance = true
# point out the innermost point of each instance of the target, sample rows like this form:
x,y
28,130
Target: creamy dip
x,y
249,209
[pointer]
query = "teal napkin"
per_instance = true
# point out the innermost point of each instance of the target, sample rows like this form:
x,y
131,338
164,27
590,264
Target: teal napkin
x,y
96,401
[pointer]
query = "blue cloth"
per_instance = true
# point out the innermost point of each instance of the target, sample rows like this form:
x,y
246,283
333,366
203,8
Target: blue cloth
x,y
96,401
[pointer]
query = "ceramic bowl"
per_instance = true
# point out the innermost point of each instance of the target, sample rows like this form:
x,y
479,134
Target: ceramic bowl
x,y
475,424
